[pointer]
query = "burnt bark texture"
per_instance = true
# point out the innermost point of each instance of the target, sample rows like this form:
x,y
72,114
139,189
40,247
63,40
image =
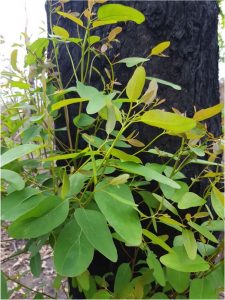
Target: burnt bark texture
x,y
192,63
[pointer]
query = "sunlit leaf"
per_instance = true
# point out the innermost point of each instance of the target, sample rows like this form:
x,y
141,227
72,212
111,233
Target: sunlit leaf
x,y
61,32
119,13
71,17
164,82
203,231
123,156
158,272
207,113
136,83
190,199
132,61
157,50
156,240
168,121
189,243
66,102
13,59
180,281
13,178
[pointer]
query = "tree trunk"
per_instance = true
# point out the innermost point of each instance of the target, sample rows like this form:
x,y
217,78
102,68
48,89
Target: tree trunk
x,y
192,63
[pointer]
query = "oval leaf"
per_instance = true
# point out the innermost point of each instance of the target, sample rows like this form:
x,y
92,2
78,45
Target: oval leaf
x,y
189,243
136,83
72,252
95,228
70,17
207,113
14,179
157,50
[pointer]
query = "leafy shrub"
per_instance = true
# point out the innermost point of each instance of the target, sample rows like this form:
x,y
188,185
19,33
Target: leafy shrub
x,y
95,198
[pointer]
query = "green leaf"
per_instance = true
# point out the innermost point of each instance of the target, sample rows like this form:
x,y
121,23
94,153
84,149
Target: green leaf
x,y
77,181
95,228
72,252
17,152
166,204
4,289
102,294
156,240
123,277
97,100
66,102
132,61
179,193
83,120
93,39
122,217
35,265
18,203
168,121
65,185
158,272
174,86
70,17
31,133
190,199
147,172
84,280
124,156
36,50
159,295
119,13
111,118
216,203
202,289
157,50
189,243
179,281
205,249
207,113
61,32
13,178
178,260
136,83
47,215
203,231
13,59
214,225
66,156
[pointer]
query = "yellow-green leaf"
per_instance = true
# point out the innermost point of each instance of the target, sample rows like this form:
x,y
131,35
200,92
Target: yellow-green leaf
x,y
156,240
71,17
65,156
157,50
168,121
66,102
14,59
207,113
61,32
136,83
190,244
124,156
65,185
205,232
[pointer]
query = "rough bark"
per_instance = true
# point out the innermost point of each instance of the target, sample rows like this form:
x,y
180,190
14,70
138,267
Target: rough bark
x,y
191,27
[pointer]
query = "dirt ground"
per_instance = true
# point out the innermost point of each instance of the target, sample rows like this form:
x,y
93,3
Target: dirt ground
x,y
18,268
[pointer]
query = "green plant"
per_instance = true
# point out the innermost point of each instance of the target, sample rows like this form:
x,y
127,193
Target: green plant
x,y
86,205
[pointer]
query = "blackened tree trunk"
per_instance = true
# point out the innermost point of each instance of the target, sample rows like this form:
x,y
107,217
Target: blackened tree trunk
x,y
191,27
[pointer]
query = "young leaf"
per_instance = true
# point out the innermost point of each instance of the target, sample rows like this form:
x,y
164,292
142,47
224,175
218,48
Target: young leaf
x,y
136,83
157,50
14,59
61,32
168,121
158,272
72,252
178,260
17,152
189,243
124,156
121,179
119,13
66,102
47,215
156,240
190,199
13,178
132,61
71,17
203,231
113,33
207,113
123,277
122,217
180,281
95,228
151,92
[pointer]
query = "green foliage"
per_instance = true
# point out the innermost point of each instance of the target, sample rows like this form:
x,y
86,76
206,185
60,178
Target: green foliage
x,y
104,193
